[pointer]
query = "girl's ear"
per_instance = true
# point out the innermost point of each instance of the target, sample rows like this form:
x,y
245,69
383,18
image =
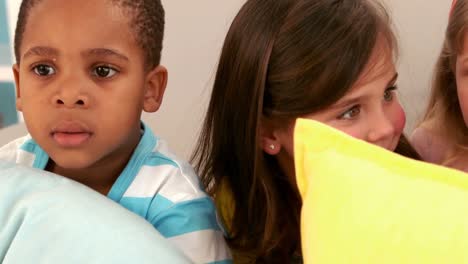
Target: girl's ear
x,y
16,72
270,141
155,86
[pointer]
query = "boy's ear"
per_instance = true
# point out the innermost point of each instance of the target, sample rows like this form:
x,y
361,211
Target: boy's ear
x,y
16,73
155,86
270,142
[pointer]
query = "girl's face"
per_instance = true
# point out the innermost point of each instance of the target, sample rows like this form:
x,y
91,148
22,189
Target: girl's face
x,y
369,111
462,79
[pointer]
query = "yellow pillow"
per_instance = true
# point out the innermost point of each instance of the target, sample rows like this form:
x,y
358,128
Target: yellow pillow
x,y
364,204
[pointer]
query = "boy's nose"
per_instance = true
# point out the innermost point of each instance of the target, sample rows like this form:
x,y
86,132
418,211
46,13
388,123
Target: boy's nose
x,y
71,91
76,101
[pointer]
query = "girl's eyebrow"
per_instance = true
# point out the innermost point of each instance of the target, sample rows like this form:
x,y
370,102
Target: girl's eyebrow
x,y
393,80
41,51
354,100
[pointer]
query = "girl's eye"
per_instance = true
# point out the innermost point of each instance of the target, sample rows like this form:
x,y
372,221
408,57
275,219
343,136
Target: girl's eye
x,y
43,70
352,113
389,94
104,71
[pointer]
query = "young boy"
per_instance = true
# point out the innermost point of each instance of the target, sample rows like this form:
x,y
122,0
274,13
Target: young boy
x,y
85,71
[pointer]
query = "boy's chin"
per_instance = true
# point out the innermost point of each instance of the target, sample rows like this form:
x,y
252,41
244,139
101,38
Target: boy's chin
x,y
75,163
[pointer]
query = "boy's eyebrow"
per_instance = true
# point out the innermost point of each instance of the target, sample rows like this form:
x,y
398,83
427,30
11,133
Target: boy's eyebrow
x,y
51,52
41,51
104,52
354,100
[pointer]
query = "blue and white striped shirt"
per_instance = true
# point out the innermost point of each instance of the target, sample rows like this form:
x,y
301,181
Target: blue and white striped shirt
x,y
159,187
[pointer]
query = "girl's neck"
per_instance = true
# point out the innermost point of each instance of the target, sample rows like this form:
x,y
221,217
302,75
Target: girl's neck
x,y
457,159
454,155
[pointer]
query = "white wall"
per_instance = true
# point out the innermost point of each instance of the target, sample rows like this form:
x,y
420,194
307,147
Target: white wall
x,y
194,34
420,26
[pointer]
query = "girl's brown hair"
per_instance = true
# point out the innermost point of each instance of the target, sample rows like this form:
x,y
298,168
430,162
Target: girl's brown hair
x,y
444,105
281,59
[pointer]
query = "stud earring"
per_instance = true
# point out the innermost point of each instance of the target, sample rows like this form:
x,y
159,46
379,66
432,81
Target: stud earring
x,y
272,147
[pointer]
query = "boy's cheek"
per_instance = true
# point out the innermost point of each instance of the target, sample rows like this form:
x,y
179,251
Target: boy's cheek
x,y
19,105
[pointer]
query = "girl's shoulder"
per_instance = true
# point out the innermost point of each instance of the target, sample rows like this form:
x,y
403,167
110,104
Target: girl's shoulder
x,y
225,205
429,144
458,160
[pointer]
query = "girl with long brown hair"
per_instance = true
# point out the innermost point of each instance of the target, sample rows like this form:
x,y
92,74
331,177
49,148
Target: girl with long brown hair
x,y
327,60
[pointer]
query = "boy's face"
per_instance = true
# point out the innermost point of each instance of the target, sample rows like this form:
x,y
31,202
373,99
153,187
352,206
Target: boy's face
x,y
82,82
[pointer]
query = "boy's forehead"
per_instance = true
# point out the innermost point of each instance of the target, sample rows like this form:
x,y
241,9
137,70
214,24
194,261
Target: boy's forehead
x,y
81,6
81,11
85,23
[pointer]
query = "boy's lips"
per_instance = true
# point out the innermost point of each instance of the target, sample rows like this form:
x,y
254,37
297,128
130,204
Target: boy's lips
x,y
71,134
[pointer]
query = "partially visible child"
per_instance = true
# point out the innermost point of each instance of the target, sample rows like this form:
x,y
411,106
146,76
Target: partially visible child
x,y
331,61
442,136
86,69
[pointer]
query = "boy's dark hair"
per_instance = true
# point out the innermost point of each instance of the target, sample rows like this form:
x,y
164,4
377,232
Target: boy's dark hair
x,y
147,23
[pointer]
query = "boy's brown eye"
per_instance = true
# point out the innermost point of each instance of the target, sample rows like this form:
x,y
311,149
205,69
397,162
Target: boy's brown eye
x,y
43,70
104,71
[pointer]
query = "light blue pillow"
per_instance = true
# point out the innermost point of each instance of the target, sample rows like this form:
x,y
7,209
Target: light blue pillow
x,y
46,218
